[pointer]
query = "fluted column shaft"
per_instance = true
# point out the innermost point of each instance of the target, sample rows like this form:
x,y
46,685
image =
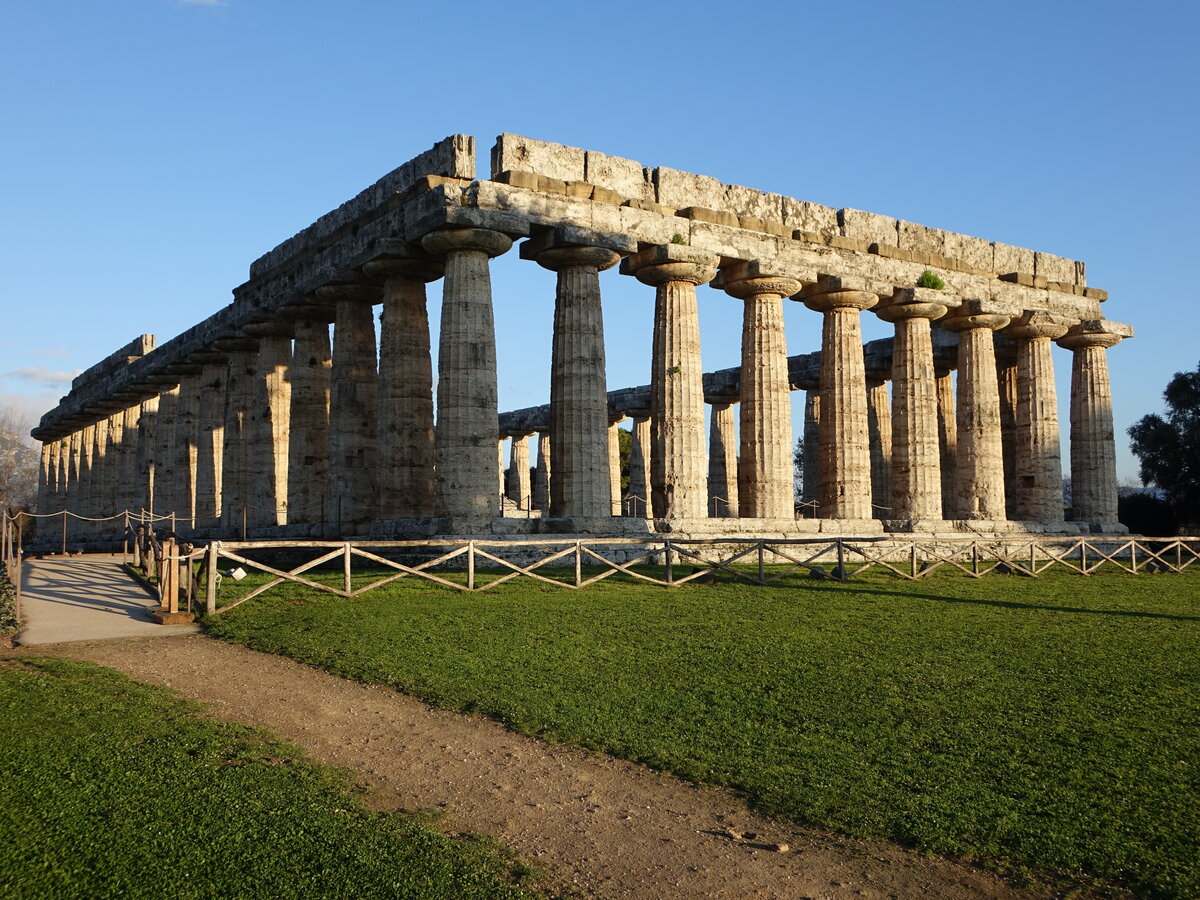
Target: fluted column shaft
x,y
879,434
582,484
916,459
845,456
947,429
723,471
812,451
1093,451
45,478
678,467
127,498
614,468
517,487
542,478
639,468
271,431
979,485
1006,382
765,478
187,446
309,375
235,464
146,446
210,428
467,415
166,487
353,405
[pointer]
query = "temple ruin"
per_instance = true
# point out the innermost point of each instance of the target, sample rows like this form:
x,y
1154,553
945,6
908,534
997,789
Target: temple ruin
x,y
255,421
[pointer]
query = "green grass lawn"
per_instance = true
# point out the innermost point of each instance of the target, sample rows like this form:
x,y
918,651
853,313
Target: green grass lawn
x,y
117,789
1046,727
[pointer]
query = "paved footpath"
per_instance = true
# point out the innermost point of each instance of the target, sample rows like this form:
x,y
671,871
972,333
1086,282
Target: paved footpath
x,y
86,598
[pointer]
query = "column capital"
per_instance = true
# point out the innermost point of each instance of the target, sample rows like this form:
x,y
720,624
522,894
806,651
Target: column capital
x,y
980,313
573,237
915,303
276,328
665,263
1037,323
369,293
1095,333
754,278
564,257
400,259
839,292
479,240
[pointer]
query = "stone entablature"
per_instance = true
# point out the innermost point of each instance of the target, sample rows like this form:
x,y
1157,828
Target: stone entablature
x,y
578,212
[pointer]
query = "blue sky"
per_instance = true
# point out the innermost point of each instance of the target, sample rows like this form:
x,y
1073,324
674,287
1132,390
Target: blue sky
x,y
153,148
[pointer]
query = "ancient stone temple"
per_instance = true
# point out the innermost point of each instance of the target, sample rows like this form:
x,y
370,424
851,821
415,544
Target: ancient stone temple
x,y
257,421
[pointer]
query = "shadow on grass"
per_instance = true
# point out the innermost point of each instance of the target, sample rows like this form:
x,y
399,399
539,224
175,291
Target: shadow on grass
x,y
1008,604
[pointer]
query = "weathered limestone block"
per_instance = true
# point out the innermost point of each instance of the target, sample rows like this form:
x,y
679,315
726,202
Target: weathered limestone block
x,y
1093,451
1054,268
678,189
868,226
722,463
764,474
979,485
626,177
970,251
1039,461
921,239
467,430
407,453
353,405
915,476
744,201
845,458
802,215
679,487
1007,258
514,153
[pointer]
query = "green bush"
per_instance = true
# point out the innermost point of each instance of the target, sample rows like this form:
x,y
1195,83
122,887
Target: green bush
x,y
1148,515
930,280
8,605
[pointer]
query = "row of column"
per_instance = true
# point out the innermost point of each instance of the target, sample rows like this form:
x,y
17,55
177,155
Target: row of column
x,y
279,426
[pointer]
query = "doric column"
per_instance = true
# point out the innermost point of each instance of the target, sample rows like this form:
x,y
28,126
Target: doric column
x,y
679,487
1093,453
517,487
210,437
127,479
240,379
723,468
1038,464
979,485
501,487
578,398
467,414
916,465
45,478
845,451
84,495
72,497
812,452
1006,383
765,478
353,404
639,468
879,435
614,468
947,423
147,431
187,447
270,424
309,375
541,488
62,484
406,446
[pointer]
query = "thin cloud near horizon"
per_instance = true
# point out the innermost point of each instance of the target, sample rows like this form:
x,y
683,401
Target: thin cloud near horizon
x,y
41,375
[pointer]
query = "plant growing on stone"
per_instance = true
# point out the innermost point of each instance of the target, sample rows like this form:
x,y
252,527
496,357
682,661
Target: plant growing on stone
x,y
677,238
929,279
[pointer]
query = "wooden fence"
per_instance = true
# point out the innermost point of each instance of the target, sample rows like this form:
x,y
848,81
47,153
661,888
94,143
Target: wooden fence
x,y
669,562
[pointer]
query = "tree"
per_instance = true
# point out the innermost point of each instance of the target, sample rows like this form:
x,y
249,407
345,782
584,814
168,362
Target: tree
x,y
1169,449
18,464
798,470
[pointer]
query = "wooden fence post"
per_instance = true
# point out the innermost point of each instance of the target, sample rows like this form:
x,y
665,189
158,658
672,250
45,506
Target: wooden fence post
x,y
346,568
210,586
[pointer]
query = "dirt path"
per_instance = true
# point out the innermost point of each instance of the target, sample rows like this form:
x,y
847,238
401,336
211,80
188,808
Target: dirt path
x,y
601,827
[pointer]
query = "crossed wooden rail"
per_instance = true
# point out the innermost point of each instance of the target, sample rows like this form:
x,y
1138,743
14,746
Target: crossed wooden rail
x,y
757,561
